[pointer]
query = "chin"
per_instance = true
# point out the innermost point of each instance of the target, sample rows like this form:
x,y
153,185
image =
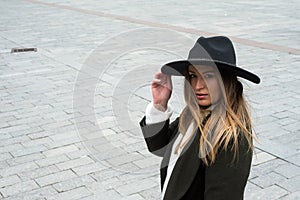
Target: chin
x,y
204,104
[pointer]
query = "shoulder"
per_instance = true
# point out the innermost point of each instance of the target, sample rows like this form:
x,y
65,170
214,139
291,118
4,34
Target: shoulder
x,y
239,151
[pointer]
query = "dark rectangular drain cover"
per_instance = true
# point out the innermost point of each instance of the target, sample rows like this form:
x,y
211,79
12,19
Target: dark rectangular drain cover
x,y
17,50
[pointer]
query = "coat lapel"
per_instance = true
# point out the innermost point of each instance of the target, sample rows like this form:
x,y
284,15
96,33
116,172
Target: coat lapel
x,y
184,171
165,160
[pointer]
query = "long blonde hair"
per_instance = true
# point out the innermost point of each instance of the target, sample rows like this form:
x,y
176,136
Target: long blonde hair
x,y
220,127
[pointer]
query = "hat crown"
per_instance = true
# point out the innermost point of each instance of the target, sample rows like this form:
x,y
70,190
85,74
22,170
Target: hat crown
x,y
217,48
215,51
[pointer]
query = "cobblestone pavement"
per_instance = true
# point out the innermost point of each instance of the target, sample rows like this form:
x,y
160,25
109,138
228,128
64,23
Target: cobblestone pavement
x,y
70,111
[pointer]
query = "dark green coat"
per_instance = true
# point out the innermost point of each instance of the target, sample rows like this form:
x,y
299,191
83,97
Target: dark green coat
x,y
191,179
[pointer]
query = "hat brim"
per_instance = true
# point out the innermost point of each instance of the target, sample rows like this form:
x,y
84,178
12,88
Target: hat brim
x,y
179,68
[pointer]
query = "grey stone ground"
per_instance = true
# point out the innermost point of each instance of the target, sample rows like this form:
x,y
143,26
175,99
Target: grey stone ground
x,y
59,142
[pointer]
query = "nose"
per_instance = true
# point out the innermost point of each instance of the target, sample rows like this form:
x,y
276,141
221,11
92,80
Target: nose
x,y
200,84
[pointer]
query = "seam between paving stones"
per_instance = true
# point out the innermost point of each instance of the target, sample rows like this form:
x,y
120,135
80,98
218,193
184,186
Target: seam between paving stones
x,y
276,157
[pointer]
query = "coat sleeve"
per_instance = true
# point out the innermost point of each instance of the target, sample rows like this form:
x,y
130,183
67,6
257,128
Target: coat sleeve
x,y
227,178
158,135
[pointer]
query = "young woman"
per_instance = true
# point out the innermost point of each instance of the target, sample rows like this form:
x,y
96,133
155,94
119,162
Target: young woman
x,y
207,150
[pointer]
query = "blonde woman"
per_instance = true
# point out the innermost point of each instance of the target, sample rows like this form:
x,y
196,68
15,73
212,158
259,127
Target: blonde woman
x,y
207,150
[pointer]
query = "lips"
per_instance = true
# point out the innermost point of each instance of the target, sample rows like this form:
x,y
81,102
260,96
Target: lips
x,y
201,96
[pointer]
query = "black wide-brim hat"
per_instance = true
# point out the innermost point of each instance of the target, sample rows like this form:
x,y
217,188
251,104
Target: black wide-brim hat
x,y
212,51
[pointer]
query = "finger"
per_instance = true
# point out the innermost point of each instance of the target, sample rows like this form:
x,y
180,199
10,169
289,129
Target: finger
x,y
162,79
156,81
158,75
168,81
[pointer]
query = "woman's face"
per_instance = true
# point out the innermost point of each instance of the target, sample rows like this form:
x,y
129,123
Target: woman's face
x,y
204,81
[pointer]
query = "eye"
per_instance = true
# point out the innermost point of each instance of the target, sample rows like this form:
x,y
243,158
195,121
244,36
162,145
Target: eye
x,y
208,76
191,75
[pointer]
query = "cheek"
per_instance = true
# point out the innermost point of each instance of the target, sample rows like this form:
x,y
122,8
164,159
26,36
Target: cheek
x,y
193,84
214,91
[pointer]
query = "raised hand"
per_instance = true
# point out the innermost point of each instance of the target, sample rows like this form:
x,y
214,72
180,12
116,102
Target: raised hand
x,y
161,90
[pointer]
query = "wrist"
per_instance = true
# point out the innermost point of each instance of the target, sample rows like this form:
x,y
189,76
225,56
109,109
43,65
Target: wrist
x,y
160,107
153,115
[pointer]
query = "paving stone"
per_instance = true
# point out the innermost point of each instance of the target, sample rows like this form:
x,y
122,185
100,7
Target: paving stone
x,y
291,184
139,146
63,136
268,180
56,125
89,168
75,163
80,153
288,170
30,120
261,158
18,188
292,127
5,156
14,140
250,190
295,159
39,193
146,162
5,136
292,196
25,159
38,134
11,147
287,121
134,197
60,150
116,161
26,131
127,168
36,142
11,180
277,149
272,192
135,187
99,192
77,193
52,160
4,124
3,164
73,183
111,183
28,150
66,141
39,172
152,193
266,167
288,139
55,178
17,169
11,129
107,151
